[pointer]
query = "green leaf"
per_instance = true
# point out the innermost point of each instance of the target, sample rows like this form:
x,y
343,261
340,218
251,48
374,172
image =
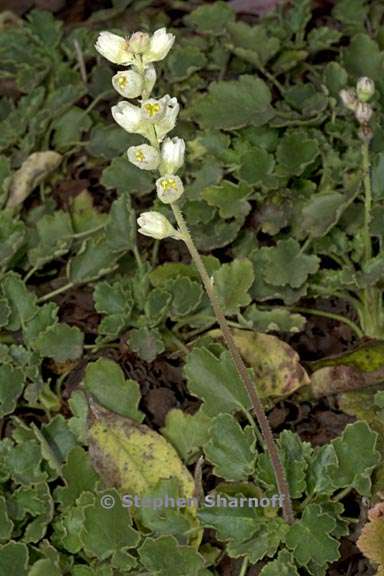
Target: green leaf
x,y
79,476
169,520
120,229
295,152
276,319
283,566
21,301
79,408
287,265
232,281
14,559
215,381
183,61
23,462
352,14
44,567
109,141
356,458
230,198
116,301
186,296
106,531
211,19
261,290
309,538
105,380
187,432
147,343
256,166
234,104
94,259
11,387
322,38
84,216
230,449
123,176
164,556
294,455
45,28
6,525
12,232
69,128
61,342
236,523
263,543
252,43
363,57
54,237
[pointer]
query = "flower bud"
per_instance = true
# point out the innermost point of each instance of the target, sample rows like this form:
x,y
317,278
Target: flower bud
x,y
363,112
128,83
172,155
144,156
114,48
157,226
153,110
148,80
139,42
169,188
168,121
349,98
365,89
160,44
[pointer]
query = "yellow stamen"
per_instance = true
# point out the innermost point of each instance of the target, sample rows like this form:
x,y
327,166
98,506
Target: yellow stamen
x,y
168,184
152,108
140,155
122,81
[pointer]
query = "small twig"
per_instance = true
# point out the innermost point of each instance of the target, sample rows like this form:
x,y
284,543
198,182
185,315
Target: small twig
x,y
80,59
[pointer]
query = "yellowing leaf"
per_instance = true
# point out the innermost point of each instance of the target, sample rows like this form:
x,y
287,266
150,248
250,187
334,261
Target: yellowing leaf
x,y
33,171
276,365
371,541
131,456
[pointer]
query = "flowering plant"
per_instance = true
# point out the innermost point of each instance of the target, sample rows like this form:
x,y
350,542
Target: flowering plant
x,y
153,119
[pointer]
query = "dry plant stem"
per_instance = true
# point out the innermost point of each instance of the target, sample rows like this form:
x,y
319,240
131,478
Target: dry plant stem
x,y
266,431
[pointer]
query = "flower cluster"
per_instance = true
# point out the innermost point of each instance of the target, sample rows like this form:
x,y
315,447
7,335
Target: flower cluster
x,y
152,118
356,99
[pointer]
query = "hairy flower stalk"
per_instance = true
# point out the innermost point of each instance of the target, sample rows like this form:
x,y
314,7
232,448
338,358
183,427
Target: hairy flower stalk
x,y
154,119
356,100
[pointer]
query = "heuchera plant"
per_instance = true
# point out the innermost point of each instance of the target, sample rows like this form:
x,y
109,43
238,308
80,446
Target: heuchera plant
x,y
154,119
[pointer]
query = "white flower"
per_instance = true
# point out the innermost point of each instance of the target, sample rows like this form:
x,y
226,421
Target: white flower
x,y
365,88
349,99
149,80
128,83
114,48
144,156
130,118
160,44
153,110
169,188
157,226
172,155
139,42
168,121
363,112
